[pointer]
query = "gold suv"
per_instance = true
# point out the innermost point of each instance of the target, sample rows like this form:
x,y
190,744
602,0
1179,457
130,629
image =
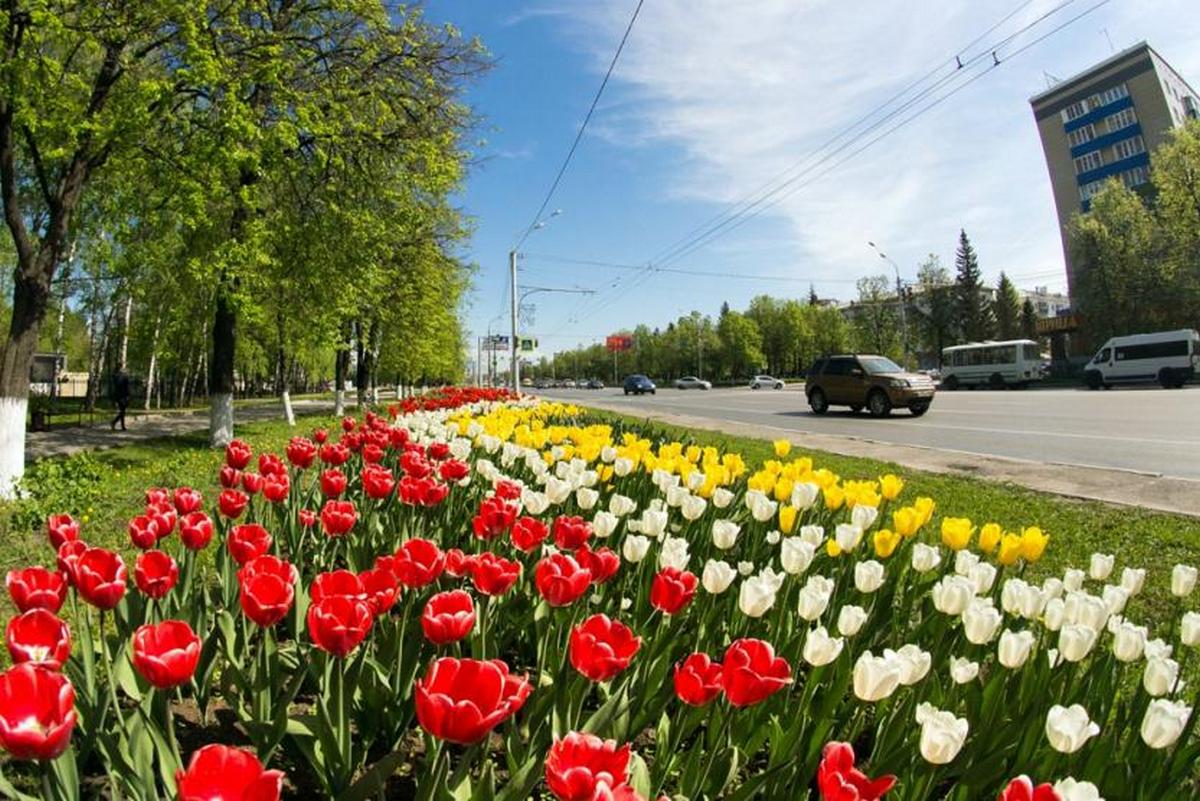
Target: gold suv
x,y
860,381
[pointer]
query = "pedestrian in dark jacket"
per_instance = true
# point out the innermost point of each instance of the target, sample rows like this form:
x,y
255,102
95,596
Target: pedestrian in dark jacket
x,y
121,398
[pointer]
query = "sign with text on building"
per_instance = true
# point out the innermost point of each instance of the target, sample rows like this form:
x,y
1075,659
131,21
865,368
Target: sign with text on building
x,y
619,342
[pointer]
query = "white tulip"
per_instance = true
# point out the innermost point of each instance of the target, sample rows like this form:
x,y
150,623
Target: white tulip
x,y
775,579
1054,658
850,620
914,663
821,649
863,516
1115,597
1164,722
1129,641
1189,629
981,621
756,596
1133,579
696,480
534,503
1183,580
805,494
1014,648
963,670
608,454
1073,579
1101,566
1086,609
663,479
848,536
814,597
868,576
1018,597
1054,614
622,466
925,557
490,444
983,576
942,734
813,535
745,568
674,553
1158,649
761,507
1075,641
722,497
1160,676
717,576
676,496
604,524
725,534
1053,588
964,560
1071,790
796,555
635,547
1068,728
586,498
875,677
654,523
951,594
621,505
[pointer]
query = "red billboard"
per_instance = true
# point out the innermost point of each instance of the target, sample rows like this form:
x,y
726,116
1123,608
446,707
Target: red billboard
x,y
618,342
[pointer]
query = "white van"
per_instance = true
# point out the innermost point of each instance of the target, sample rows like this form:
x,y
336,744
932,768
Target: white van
x,y
1168,357
1011,363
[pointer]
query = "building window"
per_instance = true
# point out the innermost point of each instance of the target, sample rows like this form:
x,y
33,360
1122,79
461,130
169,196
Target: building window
x,y
1122,119
1090,190
1111,95
1085,134
1128,147
1135,177
1088,162
1074,110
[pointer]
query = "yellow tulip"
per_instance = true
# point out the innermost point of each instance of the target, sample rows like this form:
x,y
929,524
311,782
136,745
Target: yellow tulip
x,y
886,542
783,489
834,496
925,507
693,453
787,517
1010,549
782,447
1033,544
832,548
906,521
890,486
956,532
989,537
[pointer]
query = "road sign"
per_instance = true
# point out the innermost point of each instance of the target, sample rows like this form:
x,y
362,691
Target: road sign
x,y
619,342
496,342
527,344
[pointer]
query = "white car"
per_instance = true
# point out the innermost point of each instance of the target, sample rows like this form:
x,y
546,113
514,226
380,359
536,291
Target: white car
x,y
762,381
692,382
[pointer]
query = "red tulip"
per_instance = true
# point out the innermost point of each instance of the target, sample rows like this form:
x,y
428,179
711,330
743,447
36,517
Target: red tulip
x,y
143,532
271,465
320,435
230,477
438,450
187,500
247,541
579,764
372,453
37,712
508,490
377,482
448,617
337,624
348,423
100,578
336,582
166,654
571,533
1022,789
421,491
221,773
453,471
238,454
68,556
300,452
495,517
252,483
157,495
602,562
560,579
195,530
528,533
232,503
458,564
338,517
461,700
751,672
276,487
37,588
839,780
333,483
672,590
60,529
414,464
381,588
38,636
334,453
155,573
493,574
418,563
307,518
697,679
600,647
164,516
266,589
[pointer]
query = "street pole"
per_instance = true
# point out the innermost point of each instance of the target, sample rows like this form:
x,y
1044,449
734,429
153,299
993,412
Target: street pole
x,y
516,363
479,361
899,299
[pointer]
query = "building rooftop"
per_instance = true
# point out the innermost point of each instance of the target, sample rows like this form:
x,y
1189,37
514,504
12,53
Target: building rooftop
x,y
1069,83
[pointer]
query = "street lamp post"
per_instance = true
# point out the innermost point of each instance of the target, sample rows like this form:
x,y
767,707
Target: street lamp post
x,y
899,299
515,367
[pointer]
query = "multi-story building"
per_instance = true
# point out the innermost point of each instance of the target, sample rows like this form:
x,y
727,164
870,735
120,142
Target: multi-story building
x,y
1045,302
1103,123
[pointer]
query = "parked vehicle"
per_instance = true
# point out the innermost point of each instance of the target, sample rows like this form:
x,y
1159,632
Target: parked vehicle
x,y
638,384
595,383
1014,362
762,381
692,382
568,383
866,381
1169,357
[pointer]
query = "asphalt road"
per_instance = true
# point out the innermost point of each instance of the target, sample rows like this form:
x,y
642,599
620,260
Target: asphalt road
x,y
1145,429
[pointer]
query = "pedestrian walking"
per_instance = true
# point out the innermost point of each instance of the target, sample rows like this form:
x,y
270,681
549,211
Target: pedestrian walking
x,y
121,398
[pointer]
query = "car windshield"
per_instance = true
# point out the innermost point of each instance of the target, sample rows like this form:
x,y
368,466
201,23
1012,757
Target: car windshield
x,y
877,365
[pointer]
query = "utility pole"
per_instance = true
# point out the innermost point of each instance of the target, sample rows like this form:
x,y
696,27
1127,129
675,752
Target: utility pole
x,y
899,299
516,362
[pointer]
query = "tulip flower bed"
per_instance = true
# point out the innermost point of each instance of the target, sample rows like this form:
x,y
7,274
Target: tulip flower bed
x,y
483,597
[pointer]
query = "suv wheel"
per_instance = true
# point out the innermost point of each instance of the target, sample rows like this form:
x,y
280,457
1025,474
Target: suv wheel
x,y
817,402
1167,379
754,385
878,404
918,409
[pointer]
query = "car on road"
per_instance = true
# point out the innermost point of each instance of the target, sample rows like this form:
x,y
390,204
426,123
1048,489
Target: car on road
x,y
595,383
765,382
568,384
692,382
1171,358
860,381
638,385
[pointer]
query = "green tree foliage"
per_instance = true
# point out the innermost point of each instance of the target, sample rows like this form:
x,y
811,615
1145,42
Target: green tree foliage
x,y
876,317
973,313
1029,320
936,309
741,345
1007,308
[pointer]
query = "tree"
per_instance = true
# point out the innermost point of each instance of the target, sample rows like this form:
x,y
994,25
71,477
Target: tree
x,y
1028,320
1007,307
741,345
813,300
936,307
876,318
973,313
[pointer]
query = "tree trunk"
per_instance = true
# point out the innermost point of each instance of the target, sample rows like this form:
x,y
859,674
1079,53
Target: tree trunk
x,y
30,296
220,372
123,361
150,371
341,364
360,364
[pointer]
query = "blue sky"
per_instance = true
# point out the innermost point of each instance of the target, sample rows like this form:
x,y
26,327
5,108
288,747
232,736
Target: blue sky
x,y
712,99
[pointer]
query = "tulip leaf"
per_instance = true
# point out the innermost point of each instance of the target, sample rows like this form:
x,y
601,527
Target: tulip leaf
x,y
639,775
373,780
9,791
522,781
485,789
604,715
124,675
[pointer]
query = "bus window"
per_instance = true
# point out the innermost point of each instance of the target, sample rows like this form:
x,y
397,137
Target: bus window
x,y
1031,353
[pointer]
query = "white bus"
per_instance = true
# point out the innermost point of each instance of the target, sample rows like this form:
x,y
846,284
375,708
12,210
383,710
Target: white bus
x,y
1169,357
1014,362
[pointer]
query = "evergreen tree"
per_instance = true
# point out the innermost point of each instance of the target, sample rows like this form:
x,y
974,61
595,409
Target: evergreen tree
x,y
813,300
1007,309
1028,320
974,314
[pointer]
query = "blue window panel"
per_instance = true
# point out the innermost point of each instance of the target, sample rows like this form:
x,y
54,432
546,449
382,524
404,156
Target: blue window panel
x,y
1098,114
1086,206
1106,140
1117,167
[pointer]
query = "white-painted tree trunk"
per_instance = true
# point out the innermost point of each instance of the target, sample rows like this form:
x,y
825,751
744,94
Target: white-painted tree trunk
x,y
220,420
339,402
150,372
288,413
12,444
123,364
